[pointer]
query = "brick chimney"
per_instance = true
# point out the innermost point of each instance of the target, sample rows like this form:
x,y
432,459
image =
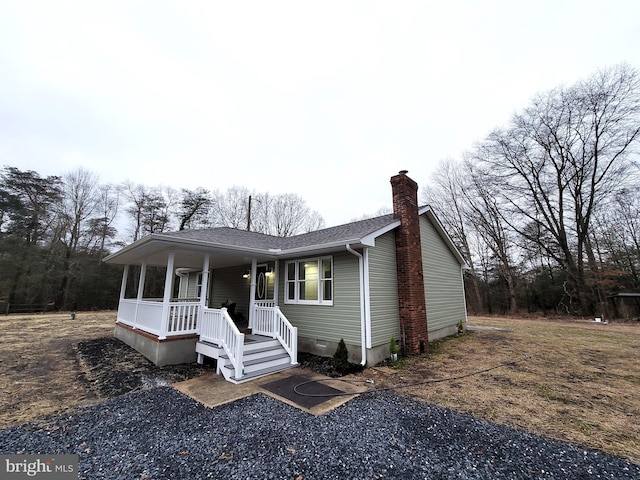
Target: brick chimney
x,y
411,301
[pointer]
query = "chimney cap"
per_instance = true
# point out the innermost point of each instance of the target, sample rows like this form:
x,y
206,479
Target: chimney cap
x,y
403,172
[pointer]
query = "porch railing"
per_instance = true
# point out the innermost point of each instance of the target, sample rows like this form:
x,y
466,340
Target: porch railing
x,y
271,322
146,315
216,326
183,318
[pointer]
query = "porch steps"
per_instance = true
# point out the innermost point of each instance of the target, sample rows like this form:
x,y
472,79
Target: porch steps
x,y
261,356
260,373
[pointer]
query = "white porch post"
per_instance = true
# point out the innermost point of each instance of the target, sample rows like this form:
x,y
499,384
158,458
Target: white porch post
x,y
168,288
252,292
276,274
123,287
204,288
139,296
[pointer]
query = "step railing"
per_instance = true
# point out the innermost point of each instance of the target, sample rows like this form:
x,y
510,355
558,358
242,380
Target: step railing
x,y
216,326
271,322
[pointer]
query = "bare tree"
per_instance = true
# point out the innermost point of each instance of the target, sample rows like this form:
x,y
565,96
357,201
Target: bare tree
x,y
194,208
150,208
313,221
281,215
483,211
79,203
107,207
562,156
446,194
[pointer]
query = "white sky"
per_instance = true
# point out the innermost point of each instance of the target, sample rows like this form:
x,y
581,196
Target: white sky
x,y
324,99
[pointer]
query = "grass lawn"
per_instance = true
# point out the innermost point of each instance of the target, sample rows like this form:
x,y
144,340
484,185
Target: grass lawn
x,y
39,369
575,381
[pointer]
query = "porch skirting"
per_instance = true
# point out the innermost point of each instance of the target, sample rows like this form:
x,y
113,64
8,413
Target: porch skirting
x,y
169,351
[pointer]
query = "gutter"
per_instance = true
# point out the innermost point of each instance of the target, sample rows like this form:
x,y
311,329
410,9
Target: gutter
x,y
363,314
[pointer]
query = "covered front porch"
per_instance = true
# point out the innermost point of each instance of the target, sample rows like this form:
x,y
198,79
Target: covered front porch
x,y
189,323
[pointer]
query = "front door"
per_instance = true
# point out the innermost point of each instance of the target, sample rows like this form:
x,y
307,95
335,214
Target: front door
x,y
262,286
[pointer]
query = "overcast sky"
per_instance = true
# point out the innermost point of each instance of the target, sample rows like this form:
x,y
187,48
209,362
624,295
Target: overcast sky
x,y
324,99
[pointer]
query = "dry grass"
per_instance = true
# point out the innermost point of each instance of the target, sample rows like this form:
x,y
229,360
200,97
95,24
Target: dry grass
x,y
575,381
39,371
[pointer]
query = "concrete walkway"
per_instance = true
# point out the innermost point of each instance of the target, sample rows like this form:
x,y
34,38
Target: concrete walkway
x,y
212,390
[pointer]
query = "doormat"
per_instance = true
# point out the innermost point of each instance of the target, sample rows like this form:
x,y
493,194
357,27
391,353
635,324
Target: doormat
x,y
284,388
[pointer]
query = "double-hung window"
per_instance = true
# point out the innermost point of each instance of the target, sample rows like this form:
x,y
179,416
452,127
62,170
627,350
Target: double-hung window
x,y
310,281
199,285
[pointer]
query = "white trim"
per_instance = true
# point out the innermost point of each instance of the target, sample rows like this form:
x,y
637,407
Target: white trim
x,y
166,299
363,312
370,240
276,281
252,290
139,296
367,296
204,286
123,286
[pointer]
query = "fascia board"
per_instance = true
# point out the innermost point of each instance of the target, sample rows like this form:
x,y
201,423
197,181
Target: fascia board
x,y
129,248
311,249
168,241
207,245
370,240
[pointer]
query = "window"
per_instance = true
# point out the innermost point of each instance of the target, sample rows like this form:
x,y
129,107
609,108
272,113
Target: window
x,y
310,281
199,285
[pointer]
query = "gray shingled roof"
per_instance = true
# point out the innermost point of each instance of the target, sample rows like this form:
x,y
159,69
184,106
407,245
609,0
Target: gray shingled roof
x,y
242,238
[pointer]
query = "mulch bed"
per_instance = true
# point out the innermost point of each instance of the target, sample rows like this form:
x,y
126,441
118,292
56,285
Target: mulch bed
x,y
113,368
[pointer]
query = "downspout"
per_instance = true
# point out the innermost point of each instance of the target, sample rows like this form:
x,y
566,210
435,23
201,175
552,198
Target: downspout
x,y
363,315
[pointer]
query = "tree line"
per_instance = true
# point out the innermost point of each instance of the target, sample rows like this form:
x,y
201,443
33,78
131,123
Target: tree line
x,y
546,210
55,230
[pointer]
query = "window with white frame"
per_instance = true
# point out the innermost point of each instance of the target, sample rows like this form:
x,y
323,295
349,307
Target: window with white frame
x,y
309,281
199,285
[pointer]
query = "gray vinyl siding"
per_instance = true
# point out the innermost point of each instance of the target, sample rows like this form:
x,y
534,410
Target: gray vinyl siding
x,y
443,287
383,290
228,284
329,322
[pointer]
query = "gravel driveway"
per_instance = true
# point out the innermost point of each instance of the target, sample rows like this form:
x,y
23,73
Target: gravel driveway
x,y
160,433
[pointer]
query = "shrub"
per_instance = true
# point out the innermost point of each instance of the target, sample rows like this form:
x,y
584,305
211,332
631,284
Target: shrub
x,y
393,346
341,358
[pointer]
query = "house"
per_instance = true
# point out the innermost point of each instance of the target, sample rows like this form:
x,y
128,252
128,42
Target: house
x,y
397,275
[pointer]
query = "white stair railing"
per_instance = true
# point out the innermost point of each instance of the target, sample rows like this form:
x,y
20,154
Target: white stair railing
x,y
271,322
217,327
